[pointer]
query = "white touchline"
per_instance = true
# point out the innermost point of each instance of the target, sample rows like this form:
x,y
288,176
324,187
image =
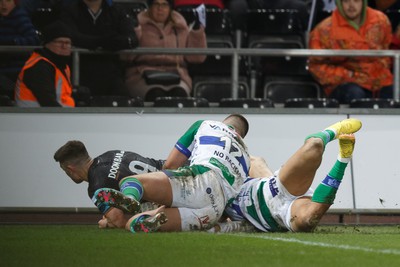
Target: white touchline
x,y
320,244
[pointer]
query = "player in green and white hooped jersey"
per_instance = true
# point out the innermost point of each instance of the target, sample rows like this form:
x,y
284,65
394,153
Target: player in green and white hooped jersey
x,y
198,193
285,201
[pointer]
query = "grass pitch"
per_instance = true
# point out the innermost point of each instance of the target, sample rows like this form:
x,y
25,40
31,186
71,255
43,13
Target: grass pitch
x,y
86,245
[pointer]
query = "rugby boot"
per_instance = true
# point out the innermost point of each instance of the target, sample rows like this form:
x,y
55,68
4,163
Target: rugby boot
x,y
346,145
116,199
347,126
149,224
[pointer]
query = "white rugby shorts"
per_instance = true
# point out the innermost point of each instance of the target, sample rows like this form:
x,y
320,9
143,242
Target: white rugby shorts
x,y
200,199
280,206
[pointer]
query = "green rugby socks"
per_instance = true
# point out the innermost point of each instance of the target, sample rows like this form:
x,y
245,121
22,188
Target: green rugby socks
x,y
326,135
132,187
326,190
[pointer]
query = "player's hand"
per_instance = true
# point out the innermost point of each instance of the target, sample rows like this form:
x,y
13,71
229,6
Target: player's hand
x,y
104,223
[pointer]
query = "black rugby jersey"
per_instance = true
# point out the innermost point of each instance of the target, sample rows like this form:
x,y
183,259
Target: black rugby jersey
x,y
109,168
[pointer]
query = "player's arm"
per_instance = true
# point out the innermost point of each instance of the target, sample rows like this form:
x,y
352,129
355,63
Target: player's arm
x,y
175,160
259,167
183,148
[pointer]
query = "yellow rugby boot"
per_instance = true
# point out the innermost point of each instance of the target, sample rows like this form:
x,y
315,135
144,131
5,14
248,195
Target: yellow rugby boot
x,y
347,126
346,145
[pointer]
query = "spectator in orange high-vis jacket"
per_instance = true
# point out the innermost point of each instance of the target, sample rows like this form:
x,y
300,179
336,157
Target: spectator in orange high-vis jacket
x,y
353,25
45,79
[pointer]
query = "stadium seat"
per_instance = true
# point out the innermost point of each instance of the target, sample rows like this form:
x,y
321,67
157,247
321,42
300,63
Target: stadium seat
x,y
273,21
265,23
319,13
281,89
374,103
274,65
215,73
215,88
274,29
394,17
218,21
7,83
246,103
180,102
43,16
6,101
115,101
216,67
311,103
219,35
81,95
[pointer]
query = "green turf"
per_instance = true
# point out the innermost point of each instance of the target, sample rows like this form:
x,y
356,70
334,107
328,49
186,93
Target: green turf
x,y
77,245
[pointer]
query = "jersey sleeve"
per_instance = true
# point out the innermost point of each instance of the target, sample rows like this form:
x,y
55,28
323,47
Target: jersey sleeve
x,y
186,142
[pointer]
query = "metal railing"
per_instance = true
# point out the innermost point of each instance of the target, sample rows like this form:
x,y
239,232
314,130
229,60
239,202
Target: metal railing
x,y
235,53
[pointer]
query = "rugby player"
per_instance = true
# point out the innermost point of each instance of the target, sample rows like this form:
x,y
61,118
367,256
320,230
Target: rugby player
x,y
105,170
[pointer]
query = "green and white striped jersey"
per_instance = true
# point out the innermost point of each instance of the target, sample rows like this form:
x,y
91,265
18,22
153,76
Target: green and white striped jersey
x,y
217,146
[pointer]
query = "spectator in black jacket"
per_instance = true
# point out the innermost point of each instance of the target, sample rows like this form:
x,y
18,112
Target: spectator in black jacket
x,y
15,29
99,25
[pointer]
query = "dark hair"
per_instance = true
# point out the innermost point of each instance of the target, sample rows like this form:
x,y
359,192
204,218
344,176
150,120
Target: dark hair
x,y
73,152
239,122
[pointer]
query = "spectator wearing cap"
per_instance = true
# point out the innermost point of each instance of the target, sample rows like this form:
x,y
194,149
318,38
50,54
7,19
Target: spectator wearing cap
x,y
100,25
162,27
44,81
16,28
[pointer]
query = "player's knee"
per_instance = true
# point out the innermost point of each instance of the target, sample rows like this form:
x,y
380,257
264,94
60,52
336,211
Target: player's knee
x,y
314,144
306,223
127,179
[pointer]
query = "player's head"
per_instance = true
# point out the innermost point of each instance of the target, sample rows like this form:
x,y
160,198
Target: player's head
x,y
238,122
72,157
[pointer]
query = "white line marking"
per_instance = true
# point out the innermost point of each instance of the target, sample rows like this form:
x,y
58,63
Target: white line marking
x,y
320,244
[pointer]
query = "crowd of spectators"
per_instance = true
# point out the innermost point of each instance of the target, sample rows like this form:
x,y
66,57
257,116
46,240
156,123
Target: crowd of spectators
x,y
104,27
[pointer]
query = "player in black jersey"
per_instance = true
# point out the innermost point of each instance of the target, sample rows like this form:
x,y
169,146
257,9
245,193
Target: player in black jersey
x,y
104,171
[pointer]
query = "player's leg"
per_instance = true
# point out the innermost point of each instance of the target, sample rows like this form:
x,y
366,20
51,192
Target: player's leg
x,y
232,226
330,133
108,198
153,187
160,219
259,167
298,172
305,212
176,220
326,191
